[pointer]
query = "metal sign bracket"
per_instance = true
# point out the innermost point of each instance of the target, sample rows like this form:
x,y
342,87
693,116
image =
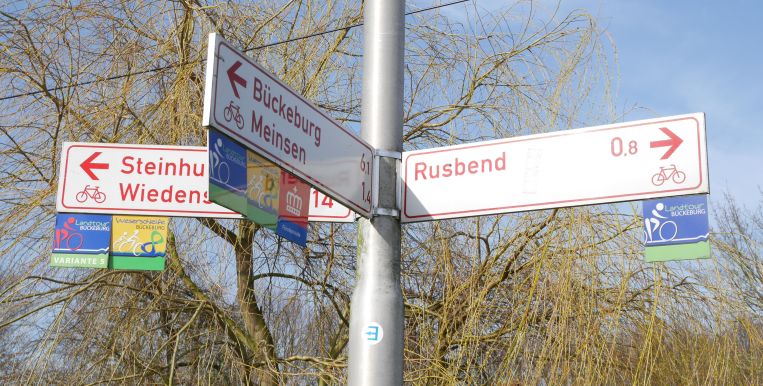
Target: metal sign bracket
x,y
375,209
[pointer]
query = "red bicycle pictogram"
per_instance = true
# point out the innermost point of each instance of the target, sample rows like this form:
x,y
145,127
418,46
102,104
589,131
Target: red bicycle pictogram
x,y
91,192
668,173
232,112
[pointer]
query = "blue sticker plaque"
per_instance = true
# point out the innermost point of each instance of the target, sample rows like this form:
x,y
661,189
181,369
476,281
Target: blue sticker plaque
x,y
227,172
675,220
81,240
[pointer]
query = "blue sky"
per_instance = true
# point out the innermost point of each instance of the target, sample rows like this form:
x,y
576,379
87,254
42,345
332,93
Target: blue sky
x,y
680,57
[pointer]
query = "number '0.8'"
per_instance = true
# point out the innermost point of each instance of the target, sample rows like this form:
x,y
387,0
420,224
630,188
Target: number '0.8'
x,y
616,147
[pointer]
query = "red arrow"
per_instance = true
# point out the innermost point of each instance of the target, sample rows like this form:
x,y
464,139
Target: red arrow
x,y
89,165
235,78
674,142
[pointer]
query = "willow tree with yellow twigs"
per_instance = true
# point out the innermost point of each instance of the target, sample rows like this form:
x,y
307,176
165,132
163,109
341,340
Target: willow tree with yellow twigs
x,y
546,297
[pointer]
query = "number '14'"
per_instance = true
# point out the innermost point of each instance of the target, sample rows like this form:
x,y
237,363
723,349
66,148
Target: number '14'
x,y
366,194
327,201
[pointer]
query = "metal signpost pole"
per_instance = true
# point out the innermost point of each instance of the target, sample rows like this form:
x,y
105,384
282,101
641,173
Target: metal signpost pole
x,y
376,320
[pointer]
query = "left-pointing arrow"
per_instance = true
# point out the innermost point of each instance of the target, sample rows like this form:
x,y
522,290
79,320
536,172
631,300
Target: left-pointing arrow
x,y
235,78
88,165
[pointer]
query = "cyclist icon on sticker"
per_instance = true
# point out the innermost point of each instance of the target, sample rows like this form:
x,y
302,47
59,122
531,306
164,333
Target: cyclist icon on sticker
x,y
657,226
66,233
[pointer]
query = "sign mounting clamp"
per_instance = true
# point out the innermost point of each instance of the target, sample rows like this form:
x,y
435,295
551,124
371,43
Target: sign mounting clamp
x,y
376,210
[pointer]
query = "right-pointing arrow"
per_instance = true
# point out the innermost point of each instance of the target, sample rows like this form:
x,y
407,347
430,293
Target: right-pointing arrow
x,y
674,142
235,78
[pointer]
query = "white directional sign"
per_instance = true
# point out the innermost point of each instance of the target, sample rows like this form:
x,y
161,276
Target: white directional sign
x,y
247,103
619,162
136,179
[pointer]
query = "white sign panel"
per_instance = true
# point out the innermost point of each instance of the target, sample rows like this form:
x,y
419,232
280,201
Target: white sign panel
x,y
620,162
247,103
152,180
136,179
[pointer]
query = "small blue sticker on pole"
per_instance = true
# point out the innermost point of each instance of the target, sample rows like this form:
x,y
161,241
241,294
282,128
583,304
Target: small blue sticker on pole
x,y
373,333
676,228
675,220
81,240
293,205
227,172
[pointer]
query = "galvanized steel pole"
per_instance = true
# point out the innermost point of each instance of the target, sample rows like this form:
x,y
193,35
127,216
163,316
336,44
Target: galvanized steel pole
x,y
376,317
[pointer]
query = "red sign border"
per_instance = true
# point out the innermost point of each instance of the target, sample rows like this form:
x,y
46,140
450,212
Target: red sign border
x,y
349,213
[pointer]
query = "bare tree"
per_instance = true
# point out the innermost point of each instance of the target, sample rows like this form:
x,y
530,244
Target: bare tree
x,y
552,297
